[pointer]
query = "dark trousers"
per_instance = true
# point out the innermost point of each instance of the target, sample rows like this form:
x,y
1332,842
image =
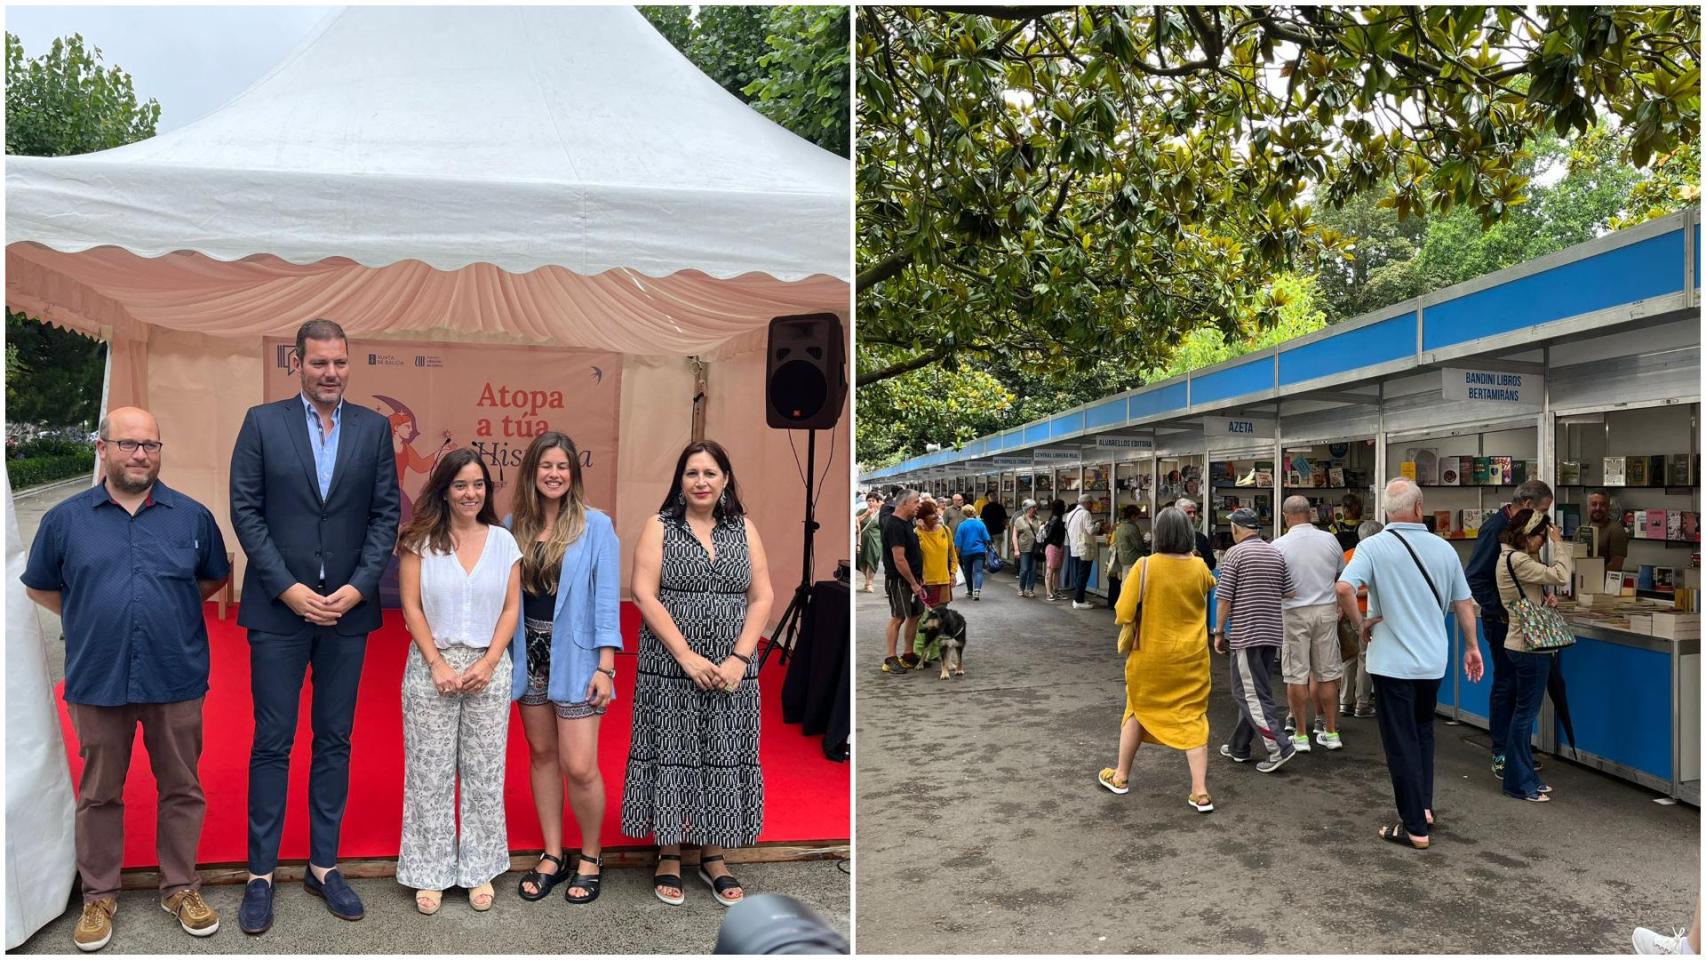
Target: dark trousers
x,y
105,735
1405,712
1502,701
1113,587
1253,669
1530,671
1079,571
277,664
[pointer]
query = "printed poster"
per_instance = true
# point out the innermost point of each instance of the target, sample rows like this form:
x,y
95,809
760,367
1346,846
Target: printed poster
x,y
492,399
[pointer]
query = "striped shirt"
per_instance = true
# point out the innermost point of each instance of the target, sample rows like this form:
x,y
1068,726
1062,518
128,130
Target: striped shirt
x,y
1253,578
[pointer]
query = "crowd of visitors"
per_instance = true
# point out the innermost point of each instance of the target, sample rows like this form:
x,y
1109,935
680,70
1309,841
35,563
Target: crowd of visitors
x,y
1350,617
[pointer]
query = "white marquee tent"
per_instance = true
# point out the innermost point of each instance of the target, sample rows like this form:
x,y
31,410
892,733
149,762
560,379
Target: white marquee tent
x,y
519,175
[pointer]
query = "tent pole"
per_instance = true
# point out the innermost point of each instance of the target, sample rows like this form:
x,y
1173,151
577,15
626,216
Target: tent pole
x,y
698,398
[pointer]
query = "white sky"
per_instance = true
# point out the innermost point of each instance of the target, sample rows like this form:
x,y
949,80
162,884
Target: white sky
x,y
193,59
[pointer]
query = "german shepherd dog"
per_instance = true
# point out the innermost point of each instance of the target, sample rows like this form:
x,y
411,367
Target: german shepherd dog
x,y
945,626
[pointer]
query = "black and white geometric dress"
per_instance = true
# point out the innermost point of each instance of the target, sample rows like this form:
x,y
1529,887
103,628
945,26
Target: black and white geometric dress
x,y
693,774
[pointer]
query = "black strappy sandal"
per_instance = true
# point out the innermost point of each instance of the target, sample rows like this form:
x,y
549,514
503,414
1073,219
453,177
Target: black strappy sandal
x,y
586,881
1397,834
719,884
669,881
543,882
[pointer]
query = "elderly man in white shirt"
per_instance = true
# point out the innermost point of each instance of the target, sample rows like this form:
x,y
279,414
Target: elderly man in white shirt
x,y
1310,661
1081,545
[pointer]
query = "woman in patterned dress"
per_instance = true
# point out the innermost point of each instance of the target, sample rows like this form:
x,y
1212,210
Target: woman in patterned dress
x,y
703,589
565,655
461,591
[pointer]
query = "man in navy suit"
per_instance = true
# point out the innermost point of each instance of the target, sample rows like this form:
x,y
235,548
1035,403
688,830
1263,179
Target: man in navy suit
x,y
315,504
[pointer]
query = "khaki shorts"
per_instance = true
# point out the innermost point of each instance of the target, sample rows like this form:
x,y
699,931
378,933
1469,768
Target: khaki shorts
x,y
1311,644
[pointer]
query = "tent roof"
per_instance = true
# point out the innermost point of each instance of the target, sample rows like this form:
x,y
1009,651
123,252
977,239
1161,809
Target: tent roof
x,y
551,169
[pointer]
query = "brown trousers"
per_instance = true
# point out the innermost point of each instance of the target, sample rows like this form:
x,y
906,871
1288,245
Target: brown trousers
x,y
105,735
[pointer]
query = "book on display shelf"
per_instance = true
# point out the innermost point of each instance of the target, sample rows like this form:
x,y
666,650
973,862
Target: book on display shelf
x,y
1569,473
1427,464
1471,524
1676,470
1336,476
1500,470
1443,525
1449,476
1483,471
1656,466
1569,519
1655,524
1614,471
1635,471
1673,525
1407,469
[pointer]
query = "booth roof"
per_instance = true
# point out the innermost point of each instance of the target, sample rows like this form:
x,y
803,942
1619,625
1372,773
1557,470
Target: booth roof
x,y
543,173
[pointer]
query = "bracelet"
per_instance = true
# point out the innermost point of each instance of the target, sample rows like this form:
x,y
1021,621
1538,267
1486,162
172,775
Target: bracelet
x,y
743,658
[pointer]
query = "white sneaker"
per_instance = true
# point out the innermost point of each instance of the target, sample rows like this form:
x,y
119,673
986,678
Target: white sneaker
x,y
1300,743
1082,606
1329,740
1653,942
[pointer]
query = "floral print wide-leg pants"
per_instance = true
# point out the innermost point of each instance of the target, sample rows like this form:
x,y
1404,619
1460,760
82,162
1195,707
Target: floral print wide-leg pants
x,y
446,737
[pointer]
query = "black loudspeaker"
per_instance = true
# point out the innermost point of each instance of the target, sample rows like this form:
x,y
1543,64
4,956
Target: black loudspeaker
x,y
805,376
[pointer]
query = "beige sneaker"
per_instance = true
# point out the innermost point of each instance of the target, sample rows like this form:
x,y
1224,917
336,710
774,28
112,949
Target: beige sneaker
x,y
194,915
95,929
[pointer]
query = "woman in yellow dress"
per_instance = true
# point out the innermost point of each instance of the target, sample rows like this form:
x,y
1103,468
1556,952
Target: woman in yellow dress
x,y
1167,662
940,560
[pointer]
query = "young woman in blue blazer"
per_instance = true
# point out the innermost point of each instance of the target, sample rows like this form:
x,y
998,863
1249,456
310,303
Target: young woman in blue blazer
x,y
565,655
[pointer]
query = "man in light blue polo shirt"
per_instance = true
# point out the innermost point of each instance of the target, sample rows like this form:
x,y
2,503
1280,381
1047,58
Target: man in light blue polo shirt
x,y
1413,579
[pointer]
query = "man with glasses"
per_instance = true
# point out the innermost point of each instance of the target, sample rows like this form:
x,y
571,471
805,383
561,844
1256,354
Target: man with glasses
x,y
126,565
315,503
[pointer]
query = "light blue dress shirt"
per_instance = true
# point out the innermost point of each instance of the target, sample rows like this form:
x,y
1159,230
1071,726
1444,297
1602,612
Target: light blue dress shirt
x,y
325,447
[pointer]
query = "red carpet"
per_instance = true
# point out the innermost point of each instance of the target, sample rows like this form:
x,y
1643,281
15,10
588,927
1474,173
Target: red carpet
x,y
807,796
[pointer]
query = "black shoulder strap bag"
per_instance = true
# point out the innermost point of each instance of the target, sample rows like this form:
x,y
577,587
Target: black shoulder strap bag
x,y
1412,551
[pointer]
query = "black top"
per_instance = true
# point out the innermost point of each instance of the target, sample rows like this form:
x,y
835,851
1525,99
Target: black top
x,y
1054,532
994,516
539,606
899,533
1205,551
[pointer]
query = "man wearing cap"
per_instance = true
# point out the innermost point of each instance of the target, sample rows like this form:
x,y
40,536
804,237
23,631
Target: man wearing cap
x,y
1310,660
1081,547
1252,583
126,564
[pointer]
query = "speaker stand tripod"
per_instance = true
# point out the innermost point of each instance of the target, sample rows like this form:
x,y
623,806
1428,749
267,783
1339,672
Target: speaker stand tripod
x,y
793,619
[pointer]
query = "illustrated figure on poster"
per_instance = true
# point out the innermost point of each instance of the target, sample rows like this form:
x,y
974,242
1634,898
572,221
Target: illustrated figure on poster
x,y
405,430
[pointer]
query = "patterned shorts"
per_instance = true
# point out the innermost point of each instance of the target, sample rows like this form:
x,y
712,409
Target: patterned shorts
x,y
539,675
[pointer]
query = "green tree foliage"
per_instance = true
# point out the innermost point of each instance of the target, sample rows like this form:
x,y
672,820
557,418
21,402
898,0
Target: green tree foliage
x,y
804,85
675,22
57,376
65,102
1050,180
955,402
788,63
728,43
62,103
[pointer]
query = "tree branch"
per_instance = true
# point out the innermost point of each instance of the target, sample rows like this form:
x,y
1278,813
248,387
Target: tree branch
x,y
894,370
884,270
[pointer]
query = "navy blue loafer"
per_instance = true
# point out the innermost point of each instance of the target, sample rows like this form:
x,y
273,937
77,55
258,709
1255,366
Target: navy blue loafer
x,y
255,915
340,899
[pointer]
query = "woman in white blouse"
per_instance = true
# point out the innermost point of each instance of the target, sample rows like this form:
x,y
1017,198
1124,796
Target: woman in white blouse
x,y
461,586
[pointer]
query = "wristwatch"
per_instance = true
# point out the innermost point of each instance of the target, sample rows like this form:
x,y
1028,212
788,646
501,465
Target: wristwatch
x,y
611,671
